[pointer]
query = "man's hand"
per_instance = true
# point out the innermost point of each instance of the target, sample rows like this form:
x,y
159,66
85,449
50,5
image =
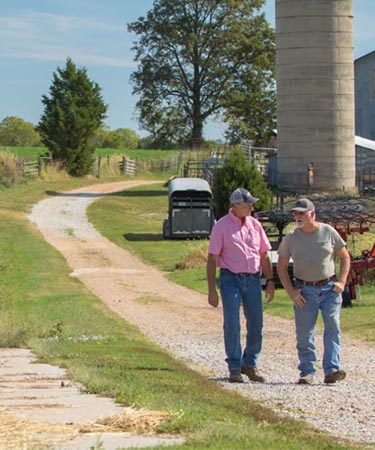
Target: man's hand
x,y
270,291
339,286
213,299
297,298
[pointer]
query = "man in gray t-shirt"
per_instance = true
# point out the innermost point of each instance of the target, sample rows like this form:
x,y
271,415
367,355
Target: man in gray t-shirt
x,y
313,247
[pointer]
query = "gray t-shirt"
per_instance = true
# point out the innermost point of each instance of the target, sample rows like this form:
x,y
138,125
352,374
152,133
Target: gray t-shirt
x,y
312,253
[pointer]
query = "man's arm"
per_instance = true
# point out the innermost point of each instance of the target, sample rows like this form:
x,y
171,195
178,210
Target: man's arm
x,y
344,258
294,294
267,271
213,298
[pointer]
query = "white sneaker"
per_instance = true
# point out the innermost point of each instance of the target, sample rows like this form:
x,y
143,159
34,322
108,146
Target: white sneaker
x,y
306,378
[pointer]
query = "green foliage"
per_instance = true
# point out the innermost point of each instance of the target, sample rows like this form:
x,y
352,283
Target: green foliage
x,y
17,132
73,111
237,172
251,108
119,138
189,54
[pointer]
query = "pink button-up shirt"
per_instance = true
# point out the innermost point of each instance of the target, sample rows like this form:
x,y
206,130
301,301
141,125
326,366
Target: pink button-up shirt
x,y
238,244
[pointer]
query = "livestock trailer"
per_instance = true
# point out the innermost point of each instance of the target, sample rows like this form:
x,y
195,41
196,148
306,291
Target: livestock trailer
x,y
190,209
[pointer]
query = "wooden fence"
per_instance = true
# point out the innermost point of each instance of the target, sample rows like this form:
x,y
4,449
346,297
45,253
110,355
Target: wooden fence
x,y
33,168
127,166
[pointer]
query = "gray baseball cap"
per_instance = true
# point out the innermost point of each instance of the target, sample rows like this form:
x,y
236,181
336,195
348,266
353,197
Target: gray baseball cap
x,y
303,204
242,195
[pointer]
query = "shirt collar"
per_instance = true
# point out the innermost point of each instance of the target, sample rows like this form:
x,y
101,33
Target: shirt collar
x,y
237,220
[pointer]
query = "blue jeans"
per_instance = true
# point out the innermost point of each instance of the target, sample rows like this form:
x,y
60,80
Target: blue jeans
x,y
321,298
245,289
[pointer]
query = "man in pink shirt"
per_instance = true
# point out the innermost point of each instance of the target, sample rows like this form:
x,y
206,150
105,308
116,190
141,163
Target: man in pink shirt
x,y
239,247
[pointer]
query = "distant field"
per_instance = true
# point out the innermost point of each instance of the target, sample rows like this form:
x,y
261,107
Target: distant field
x,y
33,153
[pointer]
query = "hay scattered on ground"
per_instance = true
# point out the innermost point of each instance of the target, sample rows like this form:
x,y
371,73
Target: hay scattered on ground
x,y
17,433
135,420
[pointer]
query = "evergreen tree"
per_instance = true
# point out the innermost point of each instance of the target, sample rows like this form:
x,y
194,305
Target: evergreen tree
x,y
238,172
73,111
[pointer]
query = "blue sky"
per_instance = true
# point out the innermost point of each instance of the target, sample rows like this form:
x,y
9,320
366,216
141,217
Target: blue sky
x,y
36,37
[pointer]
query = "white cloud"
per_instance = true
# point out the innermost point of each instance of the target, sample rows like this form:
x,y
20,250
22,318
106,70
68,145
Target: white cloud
x,y
53,37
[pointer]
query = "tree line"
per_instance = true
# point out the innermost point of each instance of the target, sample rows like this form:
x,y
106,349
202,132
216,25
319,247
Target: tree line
x,y
17,132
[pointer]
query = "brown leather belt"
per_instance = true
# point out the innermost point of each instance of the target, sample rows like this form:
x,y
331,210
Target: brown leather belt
x,y
315,283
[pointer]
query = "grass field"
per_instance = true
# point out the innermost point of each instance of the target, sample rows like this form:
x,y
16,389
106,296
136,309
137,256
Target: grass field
x,y
43,308
33,153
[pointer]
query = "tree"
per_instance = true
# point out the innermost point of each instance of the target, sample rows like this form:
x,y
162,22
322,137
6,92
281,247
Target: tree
x,y
73,111
237,172
189,53
119,138
251,108
124,138
101,137
16,132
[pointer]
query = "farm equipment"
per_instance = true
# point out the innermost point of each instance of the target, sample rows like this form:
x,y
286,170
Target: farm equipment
x,y
348,217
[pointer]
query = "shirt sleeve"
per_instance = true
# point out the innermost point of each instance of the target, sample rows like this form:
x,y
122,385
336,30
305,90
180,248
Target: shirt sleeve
x,y
338,241
283,249
216,240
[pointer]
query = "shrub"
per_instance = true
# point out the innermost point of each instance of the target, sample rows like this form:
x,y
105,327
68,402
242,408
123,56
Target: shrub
x,y
238,172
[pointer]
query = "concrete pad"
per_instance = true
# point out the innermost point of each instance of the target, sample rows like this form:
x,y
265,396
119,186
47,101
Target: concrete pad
x,y
41,408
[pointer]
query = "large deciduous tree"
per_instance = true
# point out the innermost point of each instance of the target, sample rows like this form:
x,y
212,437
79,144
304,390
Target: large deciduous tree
x,y
73,111
189,55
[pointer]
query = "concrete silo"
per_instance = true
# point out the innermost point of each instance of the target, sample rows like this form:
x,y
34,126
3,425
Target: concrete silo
x,y
315,95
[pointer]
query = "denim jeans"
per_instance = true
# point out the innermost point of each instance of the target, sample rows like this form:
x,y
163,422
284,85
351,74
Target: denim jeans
x,y
321,298
246,290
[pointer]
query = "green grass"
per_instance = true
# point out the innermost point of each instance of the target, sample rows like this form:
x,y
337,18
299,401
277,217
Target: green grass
x,y
31,153
137,153
44,308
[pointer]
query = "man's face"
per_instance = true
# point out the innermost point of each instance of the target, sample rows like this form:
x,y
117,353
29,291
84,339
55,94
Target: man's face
x,y
302,218
243,209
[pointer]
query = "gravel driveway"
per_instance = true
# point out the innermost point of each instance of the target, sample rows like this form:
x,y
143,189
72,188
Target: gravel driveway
x,y
181,321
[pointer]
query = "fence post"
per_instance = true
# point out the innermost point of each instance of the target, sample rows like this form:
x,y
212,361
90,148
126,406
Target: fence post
x,y
99,166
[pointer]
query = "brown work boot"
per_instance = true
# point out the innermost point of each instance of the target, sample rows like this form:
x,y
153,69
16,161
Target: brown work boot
x,y
332,377
253,373
235,376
